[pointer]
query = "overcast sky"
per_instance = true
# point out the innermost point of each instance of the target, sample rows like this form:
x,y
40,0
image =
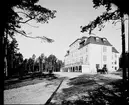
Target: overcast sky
x,y
65,28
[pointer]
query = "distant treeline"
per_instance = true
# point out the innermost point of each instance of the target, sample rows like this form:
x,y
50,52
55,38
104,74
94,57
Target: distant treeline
x,y
18,66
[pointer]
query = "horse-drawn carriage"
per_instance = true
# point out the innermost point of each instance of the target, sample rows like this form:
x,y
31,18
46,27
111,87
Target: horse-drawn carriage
x,y
103,70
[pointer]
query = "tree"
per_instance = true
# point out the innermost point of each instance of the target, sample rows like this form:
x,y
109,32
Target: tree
x,y
46,64
121,63
118,14
36,67
19,12
25,66
33,58
30,65
19,64
12,50
59,64
41,61
52,62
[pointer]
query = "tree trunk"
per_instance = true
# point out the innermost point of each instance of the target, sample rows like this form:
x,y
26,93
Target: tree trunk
x,y
5,57
33,67
123,47
11,61
39,66
29,68
42,67
128,47
2,55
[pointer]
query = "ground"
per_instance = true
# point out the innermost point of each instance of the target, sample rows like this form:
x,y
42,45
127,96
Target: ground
x,y
38,91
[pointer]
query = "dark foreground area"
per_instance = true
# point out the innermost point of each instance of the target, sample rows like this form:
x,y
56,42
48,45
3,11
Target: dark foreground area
x,y
84,89
28,80
93,90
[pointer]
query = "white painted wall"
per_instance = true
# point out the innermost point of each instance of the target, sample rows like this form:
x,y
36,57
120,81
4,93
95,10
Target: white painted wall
x,y
86,69
108,53
115,57
96,56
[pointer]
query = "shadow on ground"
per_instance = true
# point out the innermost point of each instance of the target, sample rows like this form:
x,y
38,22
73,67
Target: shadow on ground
x,y
88,90
28,80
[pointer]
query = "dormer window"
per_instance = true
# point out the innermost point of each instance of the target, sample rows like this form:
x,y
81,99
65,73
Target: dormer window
x,y
82,42
97,39
68,52
85,39
104,40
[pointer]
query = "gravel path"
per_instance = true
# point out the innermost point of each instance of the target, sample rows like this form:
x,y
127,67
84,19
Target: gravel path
x,y
72,75
41,92
31,94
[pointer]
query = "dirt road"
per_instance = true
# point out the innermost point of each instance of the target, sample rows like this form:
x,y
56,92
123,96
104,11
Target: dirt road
x,y
41,92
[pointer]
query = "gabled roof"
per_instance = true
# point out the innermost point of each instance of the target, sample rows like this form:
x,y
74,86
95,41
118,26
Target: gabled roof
x,y
99,41
74,42
92,39
78,39
114,50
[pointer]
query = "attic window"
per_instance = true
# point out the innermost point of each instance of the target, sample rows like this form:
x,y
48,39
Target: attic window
x,y
97,39
103,39
68,52
85,39
82,42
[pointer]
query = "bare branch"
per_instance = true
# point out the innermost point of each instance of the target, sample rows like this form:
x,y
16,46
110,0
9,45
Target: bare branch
x,y
32,25
43,38
23,13
114,22
100,20
30,18
26,20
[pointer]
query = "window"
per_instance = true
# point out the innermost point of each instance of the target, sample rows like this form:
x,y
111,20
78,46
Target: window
x,y
104,58
104,49
73,69
81,60
80,68
82,43
97,39
86,60
115,62
76,68
104,40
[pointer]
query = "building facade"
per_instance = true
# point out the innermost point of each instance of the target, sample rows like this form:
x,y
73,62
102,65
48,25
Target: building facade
x,y
88,53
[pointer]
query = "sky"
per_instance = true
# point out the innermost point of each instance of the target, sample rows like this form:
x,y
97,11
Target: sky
x,y
65,28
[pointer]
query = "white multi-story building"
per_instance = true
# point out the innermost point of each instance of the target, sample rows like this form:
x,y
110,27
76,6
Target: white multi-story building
x,y
87,53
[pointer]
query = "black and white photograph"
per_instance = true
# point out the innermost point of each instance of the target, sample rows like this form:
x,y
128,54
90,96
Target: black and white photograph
x,y
65,52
